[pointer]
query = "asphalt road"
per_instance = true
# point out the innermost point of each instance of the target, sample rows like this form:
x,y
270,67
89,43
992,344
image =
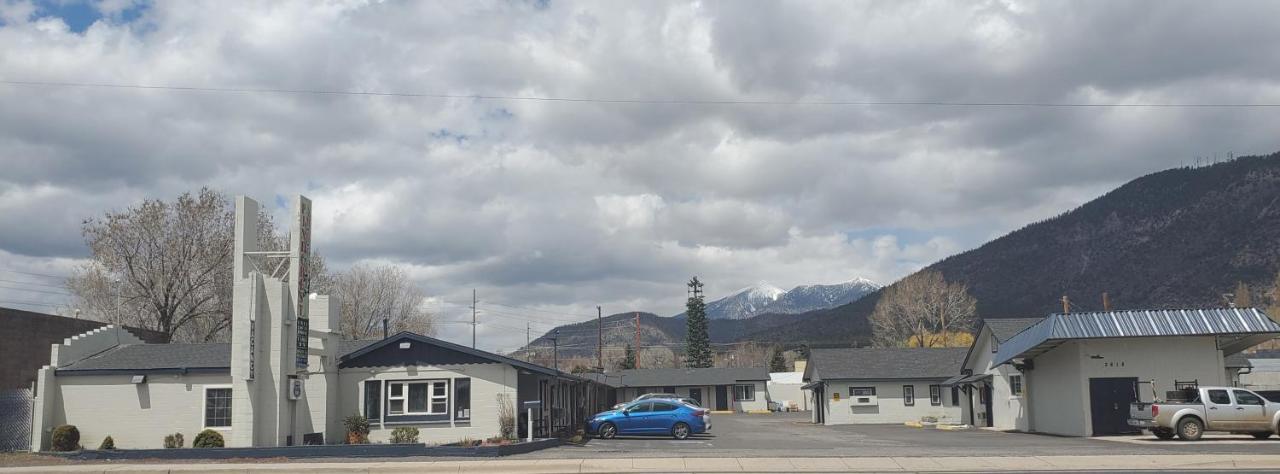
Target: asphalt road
x,y
781,435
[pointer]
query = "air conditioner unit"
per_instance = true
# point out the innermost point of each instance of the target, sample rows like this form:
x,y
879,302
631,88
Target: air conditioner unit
x,y
863,400
295,389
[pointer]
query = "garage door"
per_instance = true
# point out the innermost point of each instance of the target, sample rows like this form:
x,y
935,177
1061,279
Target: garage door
x,y
1109,399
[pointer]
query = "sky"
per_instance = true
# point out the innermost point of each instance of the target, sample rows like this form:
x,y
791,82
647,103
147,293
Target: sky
x,y
739,141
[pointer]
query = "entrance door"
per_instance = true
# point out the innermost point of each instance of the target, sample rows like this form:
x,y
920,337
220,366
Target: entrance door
x,y
696,395
722,397
1109,400
819,405
986,404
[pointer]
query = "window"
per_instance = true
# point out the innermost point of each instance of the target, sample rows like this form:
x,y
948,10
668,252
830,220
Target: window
x,y
373,399
1247,398
418,398
862,392
744,393
1015,385
643,407
660,406
909,395
935,395
1219,397
955,396
462,399
217,407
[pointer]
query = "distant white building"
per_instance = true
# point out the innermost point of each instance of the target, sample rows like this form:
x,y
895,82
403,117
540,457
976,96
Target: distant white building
x,y
786,389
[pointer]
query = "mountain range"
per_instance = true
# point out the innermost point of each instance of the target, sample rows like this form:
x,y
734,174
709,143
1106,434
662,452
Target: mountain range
x,y
765,298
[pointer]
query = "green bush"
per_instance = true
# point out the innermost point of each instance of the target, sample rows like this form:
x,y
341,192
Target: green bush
x,y
173,441
208,439
357,429
65,438
107,443
404,435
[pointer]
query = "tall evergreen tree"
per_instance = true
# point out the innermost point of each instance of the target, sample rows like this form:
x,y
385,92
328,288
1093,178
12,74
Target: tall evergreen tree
x,y
698,339
778,363
628,359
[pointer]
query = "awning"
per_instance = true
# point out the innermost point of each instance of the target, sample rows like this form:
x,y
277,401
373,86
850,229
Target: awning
x,y
811,385
972,379
953,380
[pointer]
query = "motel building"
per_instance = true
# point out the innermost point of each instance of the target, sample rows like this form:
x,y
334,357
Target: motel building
x,y
883,385
723,389
287,378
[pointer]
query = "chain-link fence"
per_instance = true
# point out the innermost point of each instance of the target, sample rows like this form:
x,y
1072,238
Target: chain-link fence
x,y
15,419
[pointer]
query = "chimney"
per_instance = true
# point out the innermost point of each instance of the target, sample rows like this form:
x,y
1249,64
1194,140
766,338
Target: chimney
x,y
1106,302
385,329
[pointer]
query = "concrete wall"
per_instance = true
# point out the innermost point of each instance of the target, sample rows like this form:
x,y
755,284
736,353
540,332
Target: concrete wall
x,y
889,407
709,398
1009,412
134,415
1058,387
487,381
25,338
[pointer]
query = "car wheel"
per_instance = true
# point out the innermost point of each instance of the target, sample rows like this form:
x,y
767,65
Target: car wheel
x,y
1190,429
680,431
1163,433
1261,434
608,431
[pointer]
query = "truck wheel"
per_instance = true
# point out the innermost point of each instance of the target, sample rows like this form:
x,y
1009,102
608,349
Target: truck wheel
x,y
1261,434
1190,429
1163,433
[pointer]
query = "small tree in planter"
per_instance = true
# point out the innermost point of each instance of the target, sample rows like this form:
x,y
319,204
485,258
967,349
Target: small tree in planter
x,y
65,438
357,429
107,443
404,435
208,439
506,416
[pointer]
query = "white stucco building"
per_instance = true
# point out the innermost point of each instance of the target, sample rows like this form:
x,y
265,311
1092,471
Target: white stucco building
x,y
883,385
1080,371
992,395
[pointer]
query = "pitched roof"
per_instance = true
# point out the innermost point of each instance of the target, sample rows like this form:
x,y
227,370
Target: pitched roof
x,y
1236,329
685,377
887,363
1003,329
459,348
214,357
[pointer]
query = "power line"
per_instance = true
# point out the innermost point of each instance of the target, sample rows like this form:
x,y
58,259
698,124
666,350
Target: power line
x,y
608,100
33,283
32,303
46,275
33,290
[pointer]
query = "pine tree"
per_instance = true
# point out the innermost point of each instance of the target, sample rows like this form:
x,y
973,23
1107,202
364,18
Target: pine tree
x,y
628,359
778,363
698,340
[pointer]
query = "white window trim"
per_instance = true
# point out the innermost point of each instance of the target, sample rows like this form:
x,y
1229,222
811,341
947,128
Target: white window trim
x,y
940,401
204,407
431,396
912,389
751,389
1022,385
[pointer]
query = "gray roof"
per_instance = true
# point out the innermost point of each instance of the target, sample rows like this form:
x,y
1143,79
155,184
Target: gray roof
x,y
1003,329
1236,329
175,357
886,363
1236,361
686,377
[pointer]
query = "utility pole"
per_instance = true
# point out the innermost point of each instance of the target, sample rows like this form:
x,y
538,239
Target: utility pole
x,y
1066,305
637,340
473,318
555,348
1106,302
527,357
599,339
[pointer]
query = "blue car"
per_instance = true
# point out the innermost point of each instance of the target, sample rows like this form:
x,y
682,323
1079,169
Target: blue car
x,y
651,417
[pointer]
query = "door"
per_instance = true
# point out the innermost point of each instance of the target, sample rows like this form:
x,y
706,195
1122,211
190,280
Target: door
x,y
661,419
1109,399
696,395
1251,410
633,421
986,405
722,397
1220,411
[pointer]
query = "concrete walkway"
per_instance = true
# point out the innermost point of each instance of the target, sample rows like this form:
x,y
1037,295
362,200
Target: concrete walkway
x,y
863,464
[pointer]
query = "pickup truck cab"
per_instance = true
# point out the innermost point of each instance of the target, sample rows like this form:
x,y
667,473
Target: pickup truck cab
x,y
1190,413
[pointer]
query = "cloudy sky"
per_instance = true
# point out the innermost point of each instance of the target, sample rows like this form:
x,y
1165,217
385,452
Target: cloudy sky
x,y
706,143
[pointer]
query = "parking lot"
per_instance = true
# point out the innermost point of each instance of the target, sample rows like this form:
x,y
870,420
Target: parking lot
x,y
790,434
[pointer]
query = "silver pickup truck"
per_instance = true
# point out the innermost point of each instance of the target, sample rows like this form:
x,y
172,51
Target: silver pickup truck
x,y
1189,413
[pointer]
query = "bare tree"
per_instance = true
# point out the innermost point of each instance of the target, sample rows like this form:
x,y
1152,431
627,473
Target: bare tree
x,y
923,310
370,293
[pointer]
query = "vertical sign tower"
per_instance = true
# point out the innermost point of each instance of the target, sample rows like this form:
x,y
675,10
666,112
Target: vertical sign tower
x,y
299,273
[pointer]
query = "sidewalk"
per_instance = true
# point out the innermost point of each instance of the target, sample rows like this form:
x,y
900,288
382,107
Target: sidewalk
x,y
866,464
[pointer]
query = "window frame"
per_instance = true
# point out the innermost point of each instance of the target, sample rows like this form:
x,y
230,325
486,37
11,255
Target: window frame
x,y
1016,389
955,395
935,395
1235,395
909,395
1225,392
852,391
429,403
751,391
457,409
204,407
378,403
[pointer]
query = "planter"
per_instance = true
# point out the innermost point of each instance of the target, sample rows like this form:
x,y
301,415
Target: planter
x,y
322,451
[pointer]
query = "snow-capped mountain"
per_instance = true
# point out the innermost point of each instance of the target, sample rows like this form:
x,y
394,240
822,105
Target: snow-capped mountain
x,y
765,298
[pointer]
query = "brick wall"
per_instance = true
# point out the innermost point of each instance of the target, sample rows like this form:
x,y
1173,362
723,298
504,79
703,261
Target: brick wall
x,y
25,339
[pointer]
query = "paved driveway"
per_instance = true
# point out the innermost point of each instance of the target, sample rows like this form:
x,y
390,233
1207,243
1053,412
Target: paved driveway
x,y
791,435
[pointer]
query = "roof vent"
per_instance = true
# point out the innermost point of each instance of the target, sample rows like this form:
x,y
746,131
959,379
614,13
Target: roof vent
x,y
405,345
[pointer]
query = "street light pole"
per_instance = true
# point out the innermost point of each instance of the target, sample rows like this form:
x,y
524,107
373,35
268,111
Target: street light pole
x,y
555,348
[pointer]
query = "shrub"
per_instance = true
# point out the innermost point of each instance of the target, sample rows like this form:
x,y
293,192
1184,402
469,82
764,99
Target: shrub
x,y
506,416
404,435
208,439
65,438
173,441
468,442
107,443
357,429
